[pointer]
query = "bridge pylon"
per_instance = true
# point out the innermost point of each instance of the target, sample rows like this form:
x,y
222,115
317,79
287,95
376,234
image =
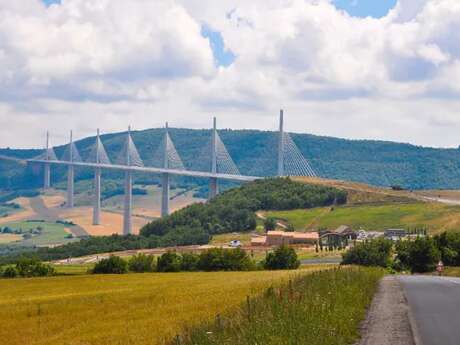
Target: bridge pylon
x,y
213,183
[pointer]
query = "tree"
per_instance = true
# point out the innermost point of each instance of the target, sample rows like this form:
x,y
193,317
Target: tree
x,y
142,263
219,259
169,262
113,264
10,272
32,267
282,258
269,224
370,253
190,262
420,255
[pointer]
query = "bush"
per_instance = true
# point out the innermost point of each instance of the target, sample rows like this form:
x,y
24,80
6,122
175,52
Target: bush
x,y
113,264
370,253
190,262
10,272
283,258
218,259
30,267
142,263
269,224
419,256
169,262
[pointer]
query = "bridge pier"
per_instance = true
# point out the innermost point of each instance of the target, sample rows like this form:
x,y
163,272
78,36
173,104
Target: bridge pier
x,y
47,176
213,187
164,194
127,221
97,197
70,186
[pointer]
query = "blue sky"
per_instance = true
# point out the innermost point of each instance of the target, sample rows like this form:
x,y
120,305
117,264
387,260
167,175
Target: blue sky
x,y
365,8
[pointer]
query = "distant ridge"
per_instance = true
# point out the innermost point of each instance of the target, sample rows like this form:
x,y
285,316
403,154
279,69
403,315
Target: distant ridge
x,y
379,163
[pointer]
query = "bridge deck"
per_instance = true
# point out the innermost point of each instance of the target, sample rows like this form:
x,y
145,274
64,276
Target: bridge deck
x,y
150,170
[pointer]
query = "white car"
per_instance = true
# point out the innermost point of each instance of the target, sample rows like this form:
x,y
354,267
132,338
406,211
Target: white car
x,y
235,243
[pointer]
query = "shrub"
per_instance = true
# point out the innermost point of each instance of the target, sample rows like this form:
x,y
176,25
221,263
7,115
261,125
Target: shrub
x,y
113,264
10,272
190,262
283,258
169,262
419,256
269,224
218,259
142,263
370,253
31,267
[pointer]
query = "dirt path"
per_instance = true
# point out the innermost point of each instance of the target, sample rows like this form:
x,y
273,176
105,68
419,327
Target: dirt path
x,y
387,322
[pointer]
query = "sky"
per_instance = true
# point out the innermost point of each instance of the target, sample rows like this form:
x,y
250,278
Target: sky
x,y
358,69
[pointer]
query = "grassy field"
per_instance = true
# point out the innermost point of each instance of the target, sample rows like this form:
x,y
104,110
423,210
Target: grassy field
x,y
321,309
436,217
121,309
452,271
52,233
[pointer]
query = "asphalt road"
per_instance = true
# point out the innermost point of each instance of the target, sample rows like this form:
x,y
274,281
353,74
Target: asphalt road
x,y
434,303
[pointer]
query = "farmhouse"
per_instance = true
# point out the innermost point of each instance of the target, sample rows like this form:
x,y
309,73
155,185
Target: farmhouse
x,y
277,238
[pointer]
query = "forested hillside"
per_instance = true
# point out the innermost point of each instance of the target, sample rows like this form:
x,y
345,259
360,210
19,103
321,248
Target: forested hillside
x,y
254,152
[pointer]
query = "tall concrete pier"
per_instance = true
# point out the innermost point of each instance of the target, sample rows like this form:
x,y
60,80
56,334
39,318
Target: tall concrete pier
x,y
165,176
70,175
46,166
213,184
97,184
127,222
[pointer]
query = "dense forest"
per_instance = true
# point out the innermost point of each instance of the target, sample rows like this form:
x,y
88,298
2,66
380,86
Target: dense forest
x,y
254,152
232,210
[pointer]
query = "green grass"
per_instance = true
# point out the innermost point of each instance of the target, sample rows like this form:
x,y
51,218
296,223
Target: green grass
x,y
52,233
72,269
321,309
436,217
137,309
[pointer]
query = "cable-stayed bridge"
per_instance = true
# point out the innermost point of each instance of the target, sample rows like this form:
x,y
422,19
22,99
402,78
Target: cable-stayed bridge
x,y
166,162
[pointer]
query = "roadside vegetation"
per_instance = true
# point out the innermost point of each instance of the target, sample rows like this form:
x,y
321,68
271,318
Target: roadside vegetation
x,y
324,308
417,256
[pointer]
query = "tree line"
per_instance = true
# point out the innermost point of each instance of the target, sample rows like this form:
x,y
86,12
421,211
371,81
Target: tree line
x,y
417,256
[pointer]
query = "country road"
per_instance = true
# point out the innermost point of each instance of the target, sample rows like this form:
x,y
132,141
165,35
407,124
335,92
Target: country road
x,y
434,303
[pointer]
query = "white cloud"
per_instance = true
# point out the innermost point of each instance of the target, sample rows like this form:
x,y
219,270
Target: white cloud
x,y
107,63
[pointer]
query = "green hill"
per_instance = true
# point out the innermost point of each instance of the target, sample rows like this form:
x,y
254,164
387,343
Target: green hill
x,y
373,162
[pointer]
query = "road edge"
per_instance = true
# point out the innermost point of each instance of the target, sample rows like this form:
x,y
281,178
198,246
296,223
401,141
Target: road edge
x,y
410,315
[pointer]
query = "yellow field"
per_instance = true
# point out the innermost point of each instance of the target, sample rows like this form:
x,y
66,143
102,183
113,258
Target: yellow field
x,y
120,309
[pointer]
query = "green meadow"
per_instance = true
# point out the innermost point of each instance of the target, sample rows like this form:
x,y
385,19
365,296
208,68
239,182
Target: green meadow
x,y
435,217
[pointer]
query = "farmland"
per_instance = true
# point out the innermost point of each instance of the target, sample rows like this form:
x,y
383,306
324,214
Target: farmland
x,y
435,217
121,309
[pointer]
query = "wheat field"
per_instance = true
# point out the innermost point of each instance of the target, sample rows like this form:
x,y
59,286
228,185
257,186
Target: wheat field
x,y
126,309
